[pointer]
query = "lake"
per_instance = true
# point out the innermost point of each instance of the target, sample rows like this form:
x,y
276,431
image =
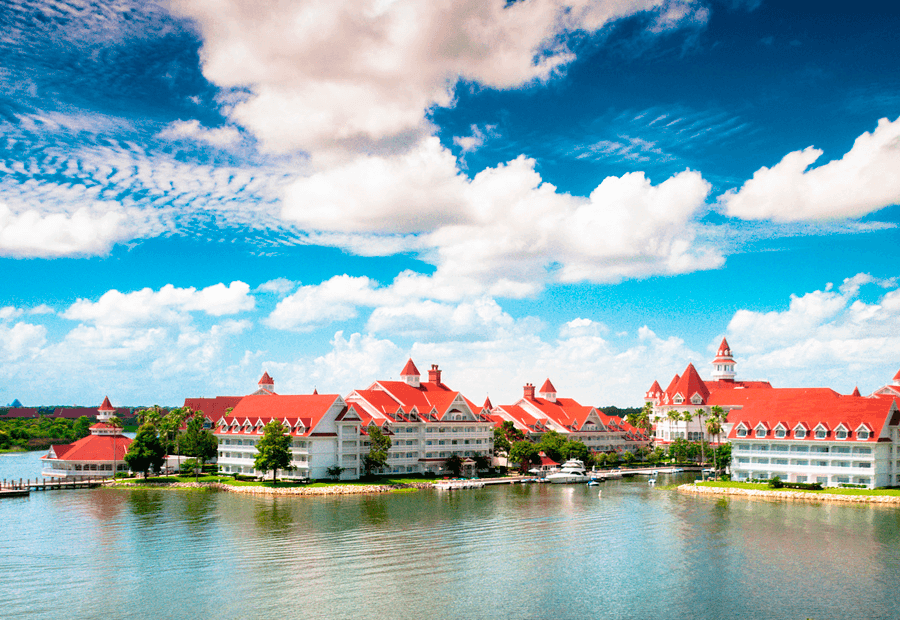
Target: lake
x,y
522,551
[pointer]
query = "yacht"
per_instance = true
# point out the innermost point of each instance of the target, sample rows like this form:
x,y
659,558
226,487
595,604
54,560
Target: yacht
x,y
571,471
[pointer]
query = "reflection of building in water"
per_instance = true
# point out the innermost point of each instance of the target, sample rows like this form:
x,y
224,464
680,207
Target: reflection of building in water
x,y
536,415
91,456
797,434
426,421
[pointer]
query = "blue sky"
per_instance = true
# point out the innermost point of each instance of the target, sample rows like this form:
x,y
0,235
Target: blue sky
x,y
592,192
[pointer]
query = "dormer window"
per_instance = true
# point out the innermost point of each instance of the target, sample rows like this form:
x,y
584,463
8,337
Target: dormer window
x,y
840,432
862,434
741,431
696,399
780,432
760,432
821,432
678,399
800,433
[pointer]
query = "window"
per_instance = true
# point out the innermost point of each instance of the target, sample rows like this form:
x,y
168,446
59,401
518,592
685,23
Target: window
x,y
820,463
799,448
801,478
862,450
741,431
800,433
801,462
821,433
862,434
840,434
863,464
779,462
779,433
821,449
760,432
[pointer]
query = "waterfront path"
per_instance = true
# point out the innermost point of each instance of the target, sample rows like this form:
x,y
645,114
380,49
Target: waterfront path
x,y
790,495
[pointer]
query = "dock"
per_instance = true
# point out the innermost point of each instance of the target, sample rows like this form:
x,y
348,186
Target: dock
x,y
22,487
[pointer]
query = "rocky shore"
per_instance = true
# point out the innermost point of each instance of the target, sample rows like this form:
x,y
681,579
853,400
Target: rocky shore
x,y
342,489
791,495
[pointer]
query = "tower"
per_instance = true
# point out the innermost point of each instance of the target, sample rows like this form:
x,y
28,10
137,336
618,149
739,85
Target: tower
x,y
723,364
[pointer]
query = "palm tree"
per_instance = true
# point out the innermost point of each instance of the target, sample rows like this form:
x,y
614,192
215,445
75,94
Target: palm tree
x,y
718,416
699,413
171,425
116,423
673,417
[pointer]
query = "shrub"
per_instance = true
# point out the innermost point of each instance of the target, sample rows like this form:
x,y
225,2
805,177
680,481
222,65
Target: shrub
x,y
776,483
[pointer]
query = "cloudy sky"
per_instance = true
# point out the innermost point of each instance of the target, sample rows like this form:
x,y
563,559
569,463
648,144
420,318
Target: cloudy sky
x,y
193,192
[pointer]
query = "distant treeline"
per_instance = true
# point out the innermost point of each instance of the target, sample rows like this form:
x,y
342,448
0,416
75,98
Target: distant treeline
x,y
620,412
41,433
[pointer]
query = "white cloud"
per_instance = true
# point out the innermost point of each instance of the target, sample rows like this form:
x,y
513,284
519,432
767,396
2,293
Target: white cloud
x,y
8,313
22,340
359,75
506,231
85,231
220,137
278,286
826,338
41,309
336,299
865,179
432,321
168,305
475,141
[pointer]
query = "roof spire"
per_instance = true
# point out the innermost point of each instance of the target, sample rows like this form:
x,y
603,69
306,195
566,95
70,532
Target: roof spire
x,y
410,374
723,364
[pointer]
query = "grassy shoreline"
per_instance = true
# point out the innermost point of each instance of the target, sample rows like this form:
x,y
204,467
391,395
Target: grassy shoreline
x,y
228,484
763,491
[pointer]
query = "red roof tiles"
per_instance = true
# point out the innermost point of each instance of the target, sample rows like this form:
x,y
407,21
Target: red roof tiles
x,y
410,370
106,406
93,448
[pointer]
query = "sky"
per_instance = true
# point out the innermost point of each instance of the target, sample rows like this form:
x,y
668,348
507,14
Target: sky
x,y
192,193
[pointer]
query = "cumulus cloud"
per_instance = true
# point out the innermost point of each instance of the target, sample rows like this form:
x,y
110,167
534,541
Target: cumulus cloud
x,y
85,231
432,321
7,313
168,305
360,75
278,286
865,179
828,337
507,231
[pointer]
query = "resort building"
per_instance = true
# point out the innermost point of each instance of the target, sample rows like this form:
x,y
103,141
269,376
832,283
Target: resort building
x,y
814,435
688,394
797,434
534,415
98,454
427,422
324,430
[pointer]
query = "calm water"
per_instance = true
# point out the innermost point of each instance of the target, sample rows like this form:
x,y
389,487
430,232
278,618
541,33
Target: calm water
x,y
538,551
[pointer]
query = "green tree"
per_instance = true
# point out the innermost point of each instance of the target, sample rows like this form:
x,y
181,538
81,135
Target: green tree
x,y
454,465
152,415
193,466
82,427
146,451
379,447
501,443
334,472
574,449
612,459
273,450
199,442
628,457
170,428
553,444
674,417
714,428
524,453
482,462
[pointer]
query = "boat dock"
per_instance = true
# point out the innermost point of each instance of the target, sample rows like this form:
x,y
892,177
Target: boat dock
x,y
22,487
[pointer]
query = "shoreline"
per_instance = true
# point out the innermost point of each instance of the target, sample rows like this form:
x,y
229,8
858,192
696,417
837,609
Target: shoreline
x,y
261,490
789,495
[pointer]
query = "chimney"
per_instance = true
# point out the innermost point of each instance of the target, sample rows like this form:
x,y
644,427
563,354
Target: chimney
x,y
529,391
434,375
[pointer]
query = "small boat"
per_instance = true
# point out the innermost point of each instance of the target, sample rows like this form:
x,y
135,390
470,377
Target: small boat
x,y
572,471
652,478
594,483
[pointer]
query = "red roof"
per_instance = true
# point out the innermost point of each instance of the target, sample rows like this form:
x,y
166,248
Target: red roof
x,y
897,376
93,448
689,384
856,392
306,408
809,407
487,403
106,406
546,460
212,408
410,369
266,379
654,390
22,412
547,387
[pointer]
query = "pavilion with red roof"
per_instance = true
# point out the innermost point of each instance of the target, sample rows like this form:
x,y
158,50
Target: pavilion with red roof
x,y
97,455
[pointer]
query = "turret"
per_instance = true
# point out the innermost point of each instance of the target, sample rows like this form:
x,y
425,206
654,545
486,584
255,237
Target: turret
x,y
723,364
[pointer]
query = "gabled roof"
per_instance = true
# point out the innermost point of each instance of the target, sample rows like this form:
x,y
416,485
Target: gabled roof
x,y
723,353
266,380
654,391
547,387
809,407
263,409
856,392
106,406
212,408
487,403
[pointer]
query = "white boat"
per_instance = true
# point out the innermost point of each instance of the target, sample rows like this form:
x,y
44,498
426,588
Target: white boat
x,y
570,472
